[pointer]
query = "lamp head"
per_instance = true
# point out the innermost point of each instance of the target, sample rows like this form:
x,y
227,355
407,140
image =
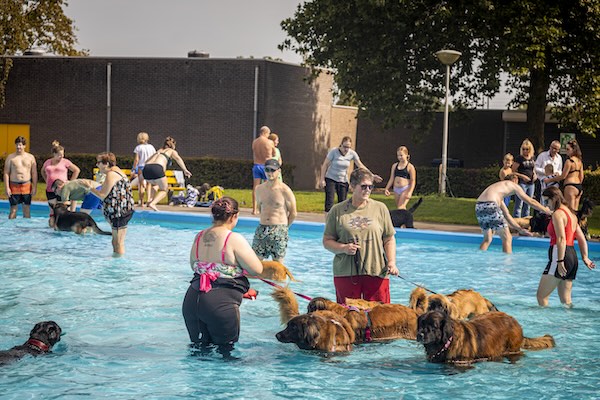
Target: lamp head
x,y
448,57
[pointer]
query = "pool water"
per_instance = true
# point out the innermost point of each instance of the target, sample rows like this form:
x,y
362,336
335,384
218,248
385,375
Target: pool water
x,y
125,336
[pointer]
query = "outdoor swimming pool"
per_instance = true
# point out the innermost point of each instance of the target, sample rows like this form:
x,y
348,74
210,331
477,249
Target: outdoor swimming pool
x,y
125,336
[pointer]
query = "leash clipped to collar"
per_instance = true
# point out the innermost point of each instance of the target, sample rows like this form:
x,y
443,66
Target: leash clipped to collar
x,y
416,284
305,297
443,349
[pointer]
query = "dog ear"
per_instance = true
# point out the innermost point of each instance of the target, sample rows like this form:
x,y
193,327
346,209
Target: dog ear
x,y
447,328
308,332
315,304
53,331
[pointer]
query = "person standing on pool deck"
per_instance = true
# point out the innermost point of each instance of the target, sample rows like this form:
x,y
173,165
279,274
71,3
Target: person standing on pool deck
x,y
359,231
277,205
220,260
562,258
493,215
20,179
334,172
262,150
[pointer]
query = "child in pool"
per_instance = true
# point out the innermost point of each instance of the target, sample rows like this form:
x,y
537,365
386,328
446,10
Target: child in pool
x,y
403,177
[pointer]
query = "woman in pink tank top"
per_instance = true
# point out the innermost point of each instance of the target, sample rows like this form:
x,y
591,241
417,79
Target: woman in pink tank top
x,y
562,258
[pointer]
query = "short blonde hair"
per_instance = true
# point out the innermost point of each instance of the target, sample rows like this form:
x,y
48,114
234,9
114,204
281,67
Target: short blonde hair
x,y
508,156
142,138
273,136
527,145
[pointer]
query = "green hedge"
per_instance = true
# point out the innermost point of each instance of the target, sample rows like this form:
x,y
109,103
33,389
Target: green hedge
x,y
233,174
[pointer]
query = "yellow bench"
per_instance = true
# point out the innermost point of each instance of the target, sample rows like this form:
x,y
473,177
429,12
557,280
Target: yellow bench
x,y
174,184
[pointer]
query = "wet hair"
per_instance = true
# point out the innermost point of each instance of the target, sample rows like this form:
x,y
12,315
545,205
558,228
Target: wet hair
x,y
273,137
346,139
576,149
107,158
57,148
358,175
21,139
224,208
170,143
143,137
555,197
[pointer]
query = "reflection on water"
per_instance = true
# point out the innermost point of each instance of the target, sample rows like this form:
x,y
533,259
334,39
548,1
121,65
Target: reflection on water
x,y
126,337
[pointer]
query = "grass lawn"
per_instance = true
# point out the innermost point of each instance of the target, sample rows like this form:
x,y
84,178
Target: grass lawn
x,y
448,210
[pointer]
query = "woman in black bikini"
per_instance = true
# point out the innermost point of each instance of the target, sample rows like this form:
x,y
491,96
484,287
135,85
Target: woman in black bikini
x,y
157,164
572,175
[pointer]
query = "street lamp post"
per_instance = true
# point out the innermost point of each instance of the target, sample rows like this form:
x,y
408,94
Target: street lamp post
x,y
446,57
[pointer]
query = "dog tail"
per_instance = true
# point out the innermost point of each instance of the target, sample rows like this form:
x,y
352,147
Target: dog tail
x,y
98,230
539,343
416,205
418,300
289,274
288,305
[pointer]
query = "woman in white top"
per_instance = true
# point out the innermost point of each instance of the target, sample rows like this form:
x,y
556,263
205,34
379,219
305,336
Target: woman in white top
x,y
143,151
334,172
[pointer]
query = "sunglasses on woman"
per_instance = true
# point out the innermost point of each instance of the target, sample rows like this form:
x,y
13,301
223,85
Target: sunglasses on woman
x,y
365,187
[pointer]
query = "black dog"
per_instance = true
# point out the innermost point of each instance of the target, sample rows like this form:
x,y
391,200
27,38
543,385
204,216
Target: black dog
x,y
586,210
78,222
43,336
539,222
404,218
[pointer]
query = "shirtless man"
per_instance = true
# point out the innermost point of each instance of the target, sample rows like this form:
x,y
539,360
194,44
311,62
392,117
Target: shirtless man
x,y
262,150
20,178
277,206
493,215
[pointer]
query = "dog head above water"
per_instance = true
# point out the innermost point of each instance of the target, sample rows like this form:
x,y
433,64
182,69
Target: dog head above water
x,y
47,332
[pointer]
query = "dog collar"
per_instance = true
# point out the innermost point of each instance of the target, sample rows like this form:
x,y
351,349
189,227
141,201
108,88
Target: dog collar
x,y
443,349
38,345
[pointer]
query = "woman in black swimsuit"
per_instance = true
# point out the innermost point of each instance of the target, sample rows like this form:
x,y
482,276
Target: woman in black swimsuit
x,y
157,164
572,176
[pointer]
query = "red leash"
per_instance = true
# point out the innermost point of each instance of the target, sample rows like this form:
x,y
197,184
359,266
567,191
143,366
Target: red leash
x,y
281,287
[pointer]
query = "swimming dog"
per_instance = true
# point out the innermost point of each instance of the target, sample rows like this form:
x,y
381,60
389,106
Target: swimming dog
x,y
404,218
78,222
461,304
42,337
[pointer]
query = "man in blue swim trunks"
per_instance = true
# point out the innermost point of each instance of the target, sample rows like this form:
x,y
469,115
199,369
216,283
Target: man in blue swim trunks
x,y
493,216
262,150
277,206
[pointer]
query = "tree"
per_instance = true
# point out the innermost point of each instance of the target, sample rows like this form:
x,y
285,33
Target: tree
x,y
383,52
25,24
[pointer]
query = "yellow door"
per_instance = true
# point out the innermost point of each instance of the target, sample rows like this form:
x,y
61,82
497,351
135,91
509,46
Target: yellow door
x,y
8,134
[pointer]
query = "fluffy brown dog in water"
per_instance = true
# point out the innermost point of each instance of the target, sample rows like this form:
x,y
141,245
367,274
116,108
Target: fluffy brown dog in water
x,y
380,322
463,303
486,337
320,330
275,271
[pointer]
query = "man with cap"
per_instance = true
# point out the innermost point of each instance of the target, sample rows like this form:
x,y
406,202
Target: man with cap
x,y
277,206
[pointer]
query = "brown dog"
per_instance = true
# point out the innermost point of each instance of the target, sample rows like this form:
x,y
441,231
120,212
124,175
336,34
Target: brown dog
x,y
381,322
463,303
42,337
275,271
489,336
321,330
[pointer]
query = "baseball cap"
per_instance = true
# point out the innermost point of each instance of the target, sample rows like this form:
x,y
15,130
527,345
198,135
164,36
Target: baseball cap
x,y
272,164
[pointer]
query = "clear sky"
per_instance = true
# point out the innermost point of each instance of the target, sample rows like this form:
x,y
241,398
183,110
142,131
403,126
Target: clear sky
x,y
171,28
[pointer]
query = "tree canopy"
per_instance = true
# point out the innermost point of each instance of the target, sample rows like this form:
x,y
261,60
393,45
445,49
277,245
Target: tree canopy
x,y
27,24
382,51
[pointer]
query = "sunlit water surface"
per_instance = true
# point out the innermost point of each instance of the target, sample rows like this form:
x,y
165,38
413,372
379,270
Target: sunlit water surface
x,y
125,336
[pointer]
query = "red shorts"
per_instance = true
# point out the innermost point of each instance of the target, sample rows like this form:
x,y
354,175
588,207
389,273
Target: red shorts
x,y
372,288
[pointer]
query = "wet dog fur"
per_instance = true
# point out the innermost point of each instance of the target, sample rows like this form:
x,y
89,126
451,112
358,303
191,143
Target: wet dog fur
x,y
404,218
323,331
78,222
275,271
486,337
463,303
42,337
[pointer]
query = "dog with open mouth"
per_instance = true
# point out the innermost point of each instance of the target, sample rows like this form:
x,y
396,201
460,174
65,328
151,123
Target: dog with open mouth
x,y
42,337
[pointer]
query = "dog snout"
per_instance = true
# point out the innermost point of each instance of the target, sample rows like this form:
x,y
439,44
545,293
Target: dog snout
x,y
420,337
